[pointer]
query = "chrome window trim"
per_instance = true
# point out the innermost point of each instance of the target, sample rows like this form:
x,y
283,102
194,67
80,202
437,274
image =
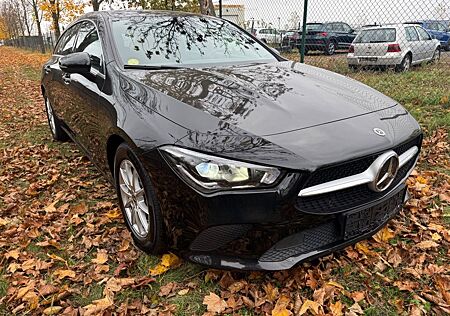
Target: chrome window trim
x,y
365,177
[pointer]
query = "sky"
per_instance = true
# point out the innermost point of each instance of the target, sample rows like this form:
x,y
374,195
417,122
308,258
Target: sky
x,y
354,12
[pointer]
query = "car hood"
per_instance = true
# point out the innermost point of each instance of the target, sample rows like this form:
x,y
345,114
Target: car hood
x,y
262,99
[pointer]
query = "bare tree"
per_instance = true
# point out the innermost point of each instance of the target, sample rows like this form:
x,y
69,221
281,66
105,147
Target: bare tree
x,y
207,7
38,18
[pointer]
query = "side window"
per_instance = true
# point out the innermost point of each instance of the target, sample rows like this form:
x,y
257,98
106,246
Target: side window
x,y
338,27
424,36
411,34
441,27
67,41
89,42
329,27
346,28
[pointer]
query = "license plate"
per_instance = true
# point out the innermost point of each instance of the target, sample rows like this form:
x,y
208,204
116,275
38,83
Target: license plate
x,y
371,59
360,222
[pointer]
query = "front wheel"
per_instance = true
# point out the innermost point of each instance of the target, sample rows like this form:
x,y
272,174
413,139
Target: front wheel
x,y
405,65
54,123
331,48
138,202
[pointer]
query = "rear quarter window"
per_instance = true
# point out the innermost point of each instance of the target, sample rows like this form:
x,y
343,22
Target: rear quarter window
x,y
377,36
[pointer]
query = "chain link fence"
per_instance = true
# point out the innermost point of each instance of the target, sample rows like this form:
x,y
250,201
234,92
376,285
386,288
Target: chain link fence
x,y
351,34
44,43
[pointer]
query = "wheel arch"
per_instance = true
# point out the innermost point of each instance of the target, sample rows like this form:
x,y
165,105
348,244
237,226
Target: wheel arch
x,y
112,144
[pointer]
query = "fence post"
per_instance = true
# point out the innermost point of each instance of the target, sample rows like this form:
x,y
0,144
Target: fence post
x,y
220,8
302,48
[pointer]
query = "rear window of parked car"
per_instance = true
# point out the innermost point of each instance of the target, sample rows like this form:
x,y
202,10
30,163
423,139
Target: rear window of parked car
x,y
376,36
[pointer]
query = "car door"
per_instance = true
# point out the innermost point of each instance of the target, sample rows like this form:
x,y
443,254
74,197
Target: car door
x,y
427,46
85,90
349,35
57,88
412,37
340,34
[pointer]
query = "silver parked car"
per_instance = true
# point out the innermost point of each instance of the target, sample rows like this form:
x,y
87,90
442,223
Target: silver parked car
x,y
399,45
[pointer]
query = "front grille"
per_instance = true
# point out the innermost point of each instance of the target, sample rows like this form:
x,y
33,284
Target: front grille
x,y
339,201
356,166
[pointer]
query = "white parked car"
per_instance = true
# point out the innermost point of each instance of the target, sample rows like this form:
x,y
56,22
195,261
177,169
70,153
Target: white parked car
x,y
268,35
399,45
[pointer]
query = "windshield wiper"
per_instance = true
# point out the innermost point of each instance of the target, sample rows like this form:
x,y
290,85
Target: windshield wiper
x,y
152,67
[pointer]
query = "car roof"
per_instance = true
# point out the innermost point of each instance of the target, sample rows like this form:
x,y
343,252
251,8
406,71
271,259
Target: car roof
x,y
389,26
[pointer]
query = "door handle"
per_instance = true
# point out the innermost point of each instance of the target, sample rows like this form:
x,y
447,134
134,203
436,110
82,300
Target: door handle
x,y
66,78
47,69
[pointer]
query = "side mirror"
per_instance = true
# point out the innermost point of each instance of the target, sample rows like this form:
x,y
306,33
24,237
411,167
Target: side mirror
x,y
352,31
76,63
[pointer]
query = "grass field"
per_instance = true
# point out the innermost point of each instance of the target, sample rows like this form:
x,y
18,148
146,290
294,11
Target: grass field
x,y
64,247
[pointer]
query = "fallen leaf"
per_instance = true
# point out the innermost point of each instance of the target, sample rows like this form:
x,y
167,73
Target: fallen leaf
x,y
384,235
336,308
309,305
280,307
214,303
101,258
61,274
52,310
167,261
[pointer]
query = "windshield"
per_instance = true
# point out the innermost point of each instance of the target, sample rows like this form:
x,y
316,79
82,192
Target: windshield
x,y
376,36
314,27
165,39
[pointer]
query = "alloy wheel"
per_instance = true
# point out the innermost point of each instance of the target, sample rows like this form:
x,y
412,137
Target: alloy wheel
x,y
407,64
331,48
51,116
133,197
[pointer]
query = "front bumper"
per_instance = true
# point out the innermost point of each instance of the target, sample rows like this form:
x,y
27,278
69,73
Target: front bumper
x,y
314,242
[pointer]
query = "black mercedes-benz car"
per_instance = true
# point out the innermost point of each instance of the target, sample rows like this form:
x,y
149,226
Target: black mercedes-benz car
x,y
220,149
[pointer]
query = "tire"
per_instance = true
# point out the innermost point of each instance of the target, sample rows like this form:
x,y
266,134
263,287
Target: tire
x,y
331,48
405,65
436,56
54,123
447,47
152,240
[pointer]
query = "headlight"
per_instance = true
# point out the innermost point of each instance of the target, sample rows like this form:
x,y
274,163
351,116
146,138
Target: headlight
x,y
215,173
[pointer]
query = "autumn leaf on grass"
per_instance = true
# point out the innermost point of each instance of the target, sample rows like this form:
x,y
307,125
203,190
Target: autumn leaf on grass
x,y
311,306
426,244
167,261
384,235
61,273
52,310
280,307
101,258
97,306
12,254
113,214
3,222
336,308
214,303
116,284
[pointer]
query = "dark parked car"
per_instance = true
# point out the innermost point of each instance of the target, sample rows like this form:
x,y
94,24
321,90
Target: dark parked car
x,y
291,39
328,37
438,30
221,150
